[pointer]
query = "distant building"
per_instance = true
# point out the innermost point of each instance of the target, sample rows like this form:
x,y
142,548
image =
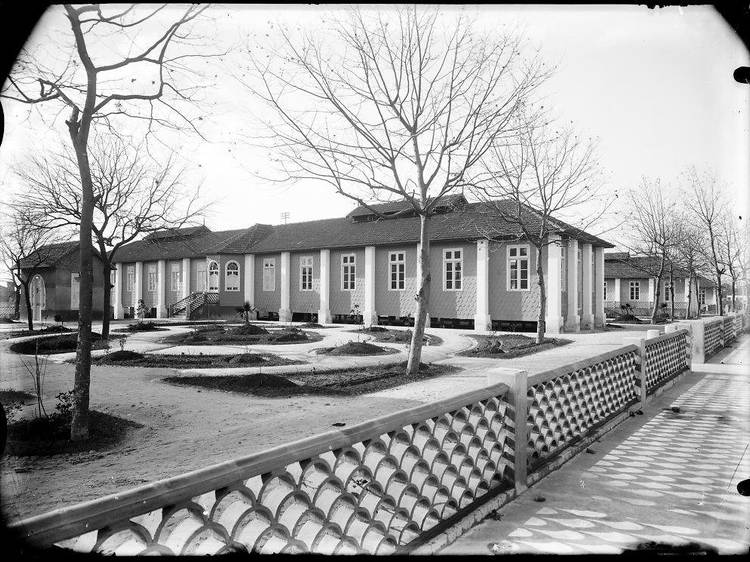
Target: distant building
x,y
630,280
54,287
324,268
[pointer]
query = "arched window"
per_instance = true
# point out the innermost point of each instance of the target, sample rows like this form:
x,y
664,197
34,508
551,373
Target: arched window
x,y
232,277
213,277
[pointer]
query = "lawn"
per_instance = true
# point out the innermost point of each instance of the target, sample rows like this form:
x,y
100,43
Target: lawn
x,y
244,334
189,361
507,346
344,382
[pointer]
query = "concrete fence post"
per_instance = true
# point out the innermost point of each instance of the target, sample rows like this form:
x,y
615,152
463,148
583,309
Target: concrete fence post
x,y
652,334
641,343
669,328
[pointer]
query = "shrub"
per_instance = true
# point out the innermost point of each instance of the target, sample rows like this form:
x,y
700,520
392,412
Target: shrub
x,y
247,330
143,327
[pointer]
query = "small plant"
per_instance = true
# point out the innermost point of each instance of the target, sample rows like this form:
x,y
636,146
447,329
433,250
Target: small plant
x,y
245,311
38,370
11,411
64,406
356,317
59,319
141,310
121,341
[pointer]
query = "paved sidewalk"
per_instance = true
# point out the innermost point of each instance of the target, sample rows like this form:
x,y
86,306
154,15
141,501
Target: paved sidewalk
x,y
665,477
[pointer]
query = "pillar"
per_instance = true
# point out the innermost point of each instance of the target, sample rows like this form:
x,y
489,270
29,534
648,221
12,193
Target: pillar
x,y
599,319
285,312
587,322
117,292
482,320
324,312
572,321
249,282
185,277
370,316
553,319
161,285
138,293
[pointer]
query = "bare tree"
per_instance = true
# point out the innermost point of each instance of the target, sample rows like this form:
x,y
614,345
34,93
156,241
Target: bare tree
x,y
400,109
653,232
103,89
130,198
544,172
732,252
707,206
25,249
688,250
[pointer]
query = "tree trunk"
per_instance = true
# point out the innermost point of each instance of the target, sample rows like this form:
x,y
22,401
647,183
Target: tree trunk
x,y
734,295
422,297
719,295
106,270
17,302
671,291
79,427
541,323
697,296
689,295
655,296
27,302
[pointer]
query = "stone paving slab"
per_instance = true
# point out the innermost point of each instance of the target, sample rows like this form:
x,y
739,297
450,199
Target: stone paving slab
x,y
668,477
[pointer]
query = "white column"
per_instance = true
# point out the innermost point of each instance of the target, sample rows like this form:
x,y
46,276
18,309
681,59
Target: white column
x,y
285,313
117,292
572,321
249,283
324,312
370,316
482,320
599,318
553,319
161,310
185,277
617,291
138,294
587,322
652,296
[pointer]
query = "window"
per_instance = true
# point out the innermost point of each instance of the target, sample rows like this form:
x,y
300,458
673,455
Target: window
x,y
348,272
605,290
213,277
452,269
269,274
175,279
702,297
397,263
130,278
667,292
232,277
518,268
305,273
635,290
151,278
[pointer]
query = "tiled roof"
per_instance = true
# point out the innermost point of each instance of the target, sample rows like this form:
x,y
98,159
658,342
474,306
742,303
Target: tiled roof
x,y
49,255
177,232
452,201
194,246
641,267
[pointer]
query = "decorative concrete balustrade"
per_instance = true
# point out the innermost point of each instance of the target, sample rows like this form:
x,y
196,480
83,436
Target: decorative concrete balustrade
x,y
374,488
565,403
663,358
713,335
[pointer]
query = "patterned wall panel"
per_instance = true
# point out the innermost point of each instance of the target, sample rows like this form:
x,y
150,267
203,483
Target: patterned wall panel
x,y
666,356
712,333
728,329
567,406
372,495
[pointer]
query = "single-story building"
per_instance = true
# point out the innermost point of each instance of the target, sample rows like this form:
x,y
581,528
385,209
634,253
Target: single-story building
x,y
55,282
483,271
630,280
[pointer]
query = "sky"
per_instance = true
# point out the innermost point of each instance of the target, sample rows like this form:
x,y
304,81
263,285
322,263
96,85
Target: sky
x,y
654,87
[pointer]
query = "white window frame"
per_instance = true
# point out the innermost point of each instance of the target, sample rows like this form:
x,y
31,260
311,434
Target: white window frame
x,y
518,257
349,265
152,274
666,291
306,264
605,290
234,276
457,284
397,259
637,286
130,278
269,280
218,276
175,281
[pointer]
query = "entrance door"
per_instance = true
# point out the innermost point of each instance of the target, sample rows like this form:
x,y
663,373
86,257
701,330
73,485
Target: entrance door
x,y
37,298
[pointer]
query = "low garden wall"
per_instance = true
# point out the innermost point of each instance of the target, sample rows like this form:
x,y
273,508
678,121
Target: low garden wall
x,y
383,486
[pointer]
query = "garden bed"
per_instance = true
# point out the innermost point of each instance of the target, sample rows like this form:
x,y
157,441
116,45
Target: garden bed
x,y
381,334
55,344
356,348
7,396
141,327
507,346
189,361
245,334
40,332
50,435
344,382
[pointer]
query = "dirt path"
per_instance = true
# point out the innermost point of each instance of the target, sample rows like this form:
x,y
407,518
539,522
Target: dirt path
x,y
186,428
